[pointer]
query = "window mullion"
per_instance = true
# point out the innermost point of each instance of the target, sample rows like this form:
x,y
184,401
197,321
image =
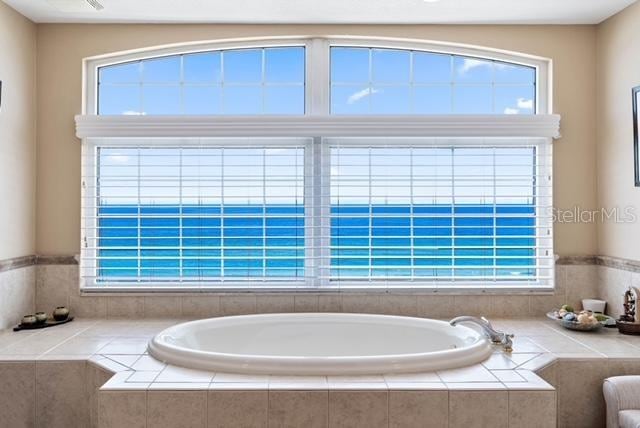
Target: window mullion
x,y
317,102
323,169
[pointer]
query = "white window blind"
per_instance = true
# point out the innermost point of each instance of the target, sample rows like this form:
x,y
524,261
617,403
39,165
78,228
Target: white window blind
x,y
193,211
334,212
474,212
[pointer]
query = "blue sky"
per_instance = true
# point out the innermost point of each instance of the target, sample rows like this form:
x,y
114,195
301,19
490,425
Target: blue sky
x,y
363,81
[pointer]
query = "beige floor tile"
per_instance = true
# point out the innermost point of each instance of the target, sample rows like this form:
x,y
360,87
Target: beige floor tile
x,y
486,409
231,409
418,409
579,389
17,394
292,409
120,409
532,409
61,400
355,409
183,409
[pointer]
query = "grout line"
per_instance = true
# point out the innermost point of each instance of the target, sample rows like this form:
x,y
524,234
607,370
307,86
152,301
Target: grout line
x,y
35,393
146,407
64,341
562,333
508,405
206,406
388,407
448,408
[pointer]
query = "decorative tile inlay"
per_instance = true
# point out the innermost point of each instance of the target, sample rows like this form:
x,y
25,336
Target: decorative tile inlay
x,y
16,262
56,260
618,263
577,260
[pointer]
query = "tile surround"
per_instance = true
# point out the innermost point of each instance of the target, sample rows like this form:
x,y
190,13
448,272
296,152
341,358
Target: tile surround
x,y
58,285
54,281
142,387
577,277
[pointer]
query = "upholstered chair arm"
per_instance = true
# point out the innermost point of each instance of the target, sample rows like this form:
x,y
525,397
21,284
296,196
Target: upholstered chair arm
x,y
620,393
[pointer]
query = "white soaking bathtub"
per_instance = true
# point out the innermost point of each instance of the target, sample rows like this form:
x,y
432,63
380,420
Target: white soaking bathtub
x,y
319,344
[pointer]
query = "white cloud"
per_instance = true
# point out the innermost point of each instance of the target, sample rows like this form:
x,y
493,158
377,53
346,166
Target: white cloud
x,y
354,98
471,63
524,103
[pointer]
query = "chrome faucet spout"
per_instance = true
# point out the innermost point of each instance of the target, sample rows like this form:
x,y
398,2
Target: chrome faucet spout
x,y
497,337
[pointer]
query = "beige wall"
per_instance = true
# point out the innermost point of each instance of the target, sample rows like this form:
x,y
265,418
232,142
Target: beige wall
x,y
617,72
62,47
17,134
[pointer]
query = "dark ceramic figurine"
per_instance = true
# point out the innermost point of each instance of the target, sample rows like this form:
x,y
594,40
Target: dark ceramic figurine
x,y
28,319
60,313
629,306
627,323
41,317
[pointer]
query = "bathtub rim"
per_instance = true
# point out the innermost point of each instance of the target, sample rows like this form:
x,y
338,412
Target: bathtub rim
x,y
303,365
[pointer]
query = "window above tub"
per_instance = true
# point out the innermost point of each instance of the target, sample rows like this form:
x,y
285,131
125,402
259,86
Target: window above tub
x,y
317,76
322,163
402,81
232,81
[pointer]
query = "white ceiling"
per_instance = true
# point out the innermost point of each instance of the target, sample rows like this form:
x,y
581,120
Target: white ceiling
x,y
326,11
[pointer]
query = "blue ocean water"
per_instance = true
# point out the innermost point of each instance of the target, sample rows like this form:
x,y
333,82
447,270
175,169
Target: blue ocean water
x,y
207,242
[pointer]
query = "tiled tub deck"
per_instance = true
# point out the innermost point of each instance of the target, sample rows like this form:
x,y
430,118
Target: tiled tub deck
x,y
96,373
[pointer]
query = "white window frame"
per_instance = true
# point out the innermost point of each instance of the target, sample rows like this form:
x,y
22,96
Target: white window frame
x,y
317,124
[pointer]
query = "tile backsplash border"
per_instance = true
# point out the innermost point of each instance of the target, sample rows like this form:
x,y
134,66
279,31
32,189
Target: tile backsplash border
x,y
577,277
57,284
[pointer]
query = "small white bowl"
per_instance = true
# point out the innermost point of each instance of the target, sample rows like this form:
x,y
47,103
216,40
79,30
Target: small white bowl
x,y
594,305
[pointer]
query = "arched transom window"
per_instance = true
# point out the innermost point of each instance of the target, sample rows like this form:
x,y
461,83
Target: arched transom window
x,y
320,163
